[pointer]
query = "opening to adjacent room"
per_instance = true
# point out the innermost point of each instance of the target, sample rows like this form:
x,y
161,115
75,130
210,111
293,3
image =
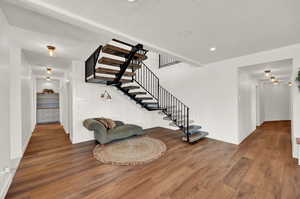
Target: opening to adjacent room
x,y
264,95
47,101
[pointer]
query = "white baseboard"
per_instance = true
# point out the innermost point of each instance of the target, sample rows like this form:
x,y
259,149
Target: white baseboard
x,y
7,181
8,178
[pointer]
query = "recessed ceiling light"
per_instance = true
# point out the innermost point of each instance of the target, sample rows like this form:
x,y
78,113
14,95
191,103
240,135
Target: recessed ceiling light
x,y
131,1
212,49
276,82
290,84
48,78
51,50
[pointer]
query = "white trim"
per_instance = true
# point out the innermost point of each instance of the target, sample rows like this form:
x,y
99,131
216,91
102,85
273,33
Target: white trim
x,y
9,178
7,182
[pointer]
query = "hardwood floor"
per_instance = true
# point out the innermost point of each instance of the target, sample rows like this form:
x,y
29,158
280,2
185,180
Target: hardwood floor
x,y
261,167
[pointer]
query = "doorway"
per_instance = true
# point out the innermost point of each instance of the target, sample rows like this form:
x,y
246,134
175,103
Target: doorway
x,y
47,102
264,95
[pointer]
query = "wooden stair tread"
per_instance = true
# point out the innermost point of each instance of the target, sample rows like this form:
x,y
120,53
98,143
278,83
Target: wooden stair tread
x,y
130,87
155,108
112,79
182,121
121,52
193,127
150,103
144,98
138,93
115,62
196,136
113,72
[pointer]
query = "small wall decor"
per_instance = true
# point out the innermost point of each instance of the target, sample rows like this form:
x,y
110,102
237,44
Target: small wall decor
x,y
106,95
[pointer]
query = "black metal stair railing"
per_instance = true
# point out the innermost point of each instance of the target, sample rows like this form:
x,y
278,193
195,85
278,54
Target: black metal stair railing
x,y
177,111
171,106
147,80
90,64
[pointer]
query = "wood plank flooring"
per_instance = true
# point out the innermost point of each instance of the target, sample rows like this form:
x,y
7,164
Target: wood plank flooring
x,y
261,167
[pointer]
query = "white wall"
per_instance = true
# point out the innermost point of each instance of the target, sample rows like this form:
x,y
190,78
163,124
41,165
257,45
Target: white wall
x,y
86,103
15,72
15,119
64,105
277,102
4,106
212,91
211,94
45,84
26,102
260,104
247,105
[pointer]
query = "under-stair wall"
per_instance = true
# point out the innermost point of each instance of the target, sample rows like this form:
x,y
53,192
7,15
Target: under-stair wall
x,y
211,94
87,103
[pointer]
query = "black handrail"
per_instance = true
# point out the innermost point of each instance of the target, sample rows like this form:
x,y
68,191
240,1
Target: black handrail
x,y
171,106
90,64
147,80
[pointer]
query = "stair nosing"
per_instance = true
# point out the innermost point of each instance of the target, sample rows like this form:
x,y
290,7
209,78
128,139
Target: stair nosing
x,y
138,93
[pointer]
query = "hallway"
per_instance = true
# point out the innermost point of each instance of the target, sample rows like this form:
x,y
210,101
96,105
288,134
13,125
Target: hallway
x,y
261,167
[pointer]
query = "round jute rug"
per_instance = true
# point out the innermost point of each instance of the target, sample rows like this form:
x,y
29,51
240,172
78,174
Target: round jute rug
x,y
132,151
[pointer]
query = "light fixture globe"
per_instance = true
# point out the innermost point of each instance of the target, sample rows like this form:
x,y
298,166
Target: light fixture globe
x,y
267,73
272,79
51,50
212,49
49,70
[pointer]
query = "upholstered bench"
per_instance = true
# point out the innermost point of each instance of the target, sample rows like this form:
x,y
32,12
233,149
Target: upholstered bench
x,y
104,135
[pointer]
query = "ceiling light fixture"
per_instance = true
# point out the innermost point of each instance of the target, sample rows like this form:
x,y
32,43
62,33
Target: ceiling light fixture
x,y
267,73
48,78
276,82
131,1
212,49
51,50
272,79
49,70
290,84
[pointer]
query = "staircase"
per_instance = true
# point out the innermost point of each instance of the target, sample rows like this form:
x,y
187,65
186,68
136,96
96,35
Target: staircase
x,y
123,67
